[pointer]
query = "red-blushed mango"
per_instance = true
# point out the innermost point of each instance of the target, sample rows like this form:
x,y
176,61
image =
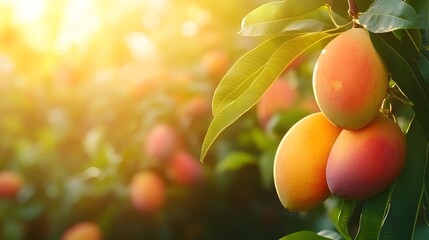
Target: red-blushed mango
x,y
184,169
280,96
83,231
350,80
300,163
363,163
147,191
10,184
161,142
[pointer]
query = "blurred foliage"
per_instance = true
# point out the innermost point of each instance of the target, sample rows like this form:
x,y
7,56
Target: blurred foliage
x,y
81,85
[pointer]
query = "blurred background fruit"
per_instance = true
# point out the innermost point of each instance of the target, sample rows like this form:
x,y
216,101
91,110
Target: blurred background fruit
x,y
147,191
161,142
10,184
83,231
280,96
104,106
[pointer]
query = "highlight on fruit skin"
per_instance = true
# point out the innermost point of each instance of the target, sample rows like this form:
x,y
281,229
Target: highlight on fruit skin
x,y
10,184
300,163
350,80
365,162
83,231
147,191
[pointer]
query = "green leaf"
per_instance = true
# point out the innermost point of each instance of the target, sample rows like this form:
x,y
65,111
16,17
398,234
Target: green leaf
x,y
423,64
235,161
307,235
262,140
346,212
408,39
388,15
426,202
340,211
315,21
282,121
413,35
266,164
278,10
426,190
403,69
422,9
244,72
372,216
330,234
251,92
407,194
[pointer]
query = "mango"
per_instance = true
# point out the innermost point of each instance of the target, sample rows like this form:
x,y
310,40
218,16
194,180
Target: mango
x,y
161,142
184,169
216,63
365,162
147,191
350,80
300,163
83,231
280,96
10,184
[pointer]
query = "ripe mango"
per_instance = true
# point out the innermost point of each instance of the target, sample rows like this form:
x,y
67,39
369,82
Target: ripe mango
x,y
10,184
363,163
280,96
161,142
350,80
147,191
300,163
184,169
83,231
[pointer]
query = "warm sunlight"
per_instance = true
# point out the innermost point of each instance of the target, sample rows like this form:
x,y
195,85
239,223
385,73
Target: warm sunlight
x,y
103,107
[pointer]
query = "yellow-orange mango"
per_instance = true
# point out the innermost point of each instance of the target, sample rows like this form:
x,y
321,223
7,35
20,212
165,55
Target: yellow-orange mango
x,y
147,191
350,80
216,63
83,231
363,163
300,163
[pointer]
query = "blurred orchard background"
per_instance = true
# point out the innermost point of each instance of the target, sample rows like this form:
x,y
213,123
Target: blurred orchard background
x,y
103,108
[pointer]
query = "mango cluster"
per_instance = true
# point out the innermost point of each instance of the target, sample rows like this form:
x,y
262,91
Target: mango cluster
x,y
349,149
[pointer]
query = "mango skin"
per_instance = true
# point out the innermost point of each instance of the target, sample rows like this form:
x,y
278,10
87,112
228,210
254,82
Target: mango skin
x,y
147,191
300,163
365,162
83,231
10,184
184,169
161,142
280,96
350,80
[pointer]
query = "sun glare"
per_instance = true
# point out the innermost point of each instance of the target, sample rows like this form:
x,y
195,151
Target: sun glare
x,y
70,25
27,11
80,23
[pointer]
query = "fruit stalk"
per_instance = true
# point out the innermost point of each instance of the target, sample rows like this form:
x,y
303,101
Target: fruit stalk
x,y
353,11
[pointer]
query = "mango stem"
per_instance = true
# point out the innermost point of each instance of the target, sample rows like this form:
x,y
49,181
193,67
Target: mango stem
x,y
353,11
